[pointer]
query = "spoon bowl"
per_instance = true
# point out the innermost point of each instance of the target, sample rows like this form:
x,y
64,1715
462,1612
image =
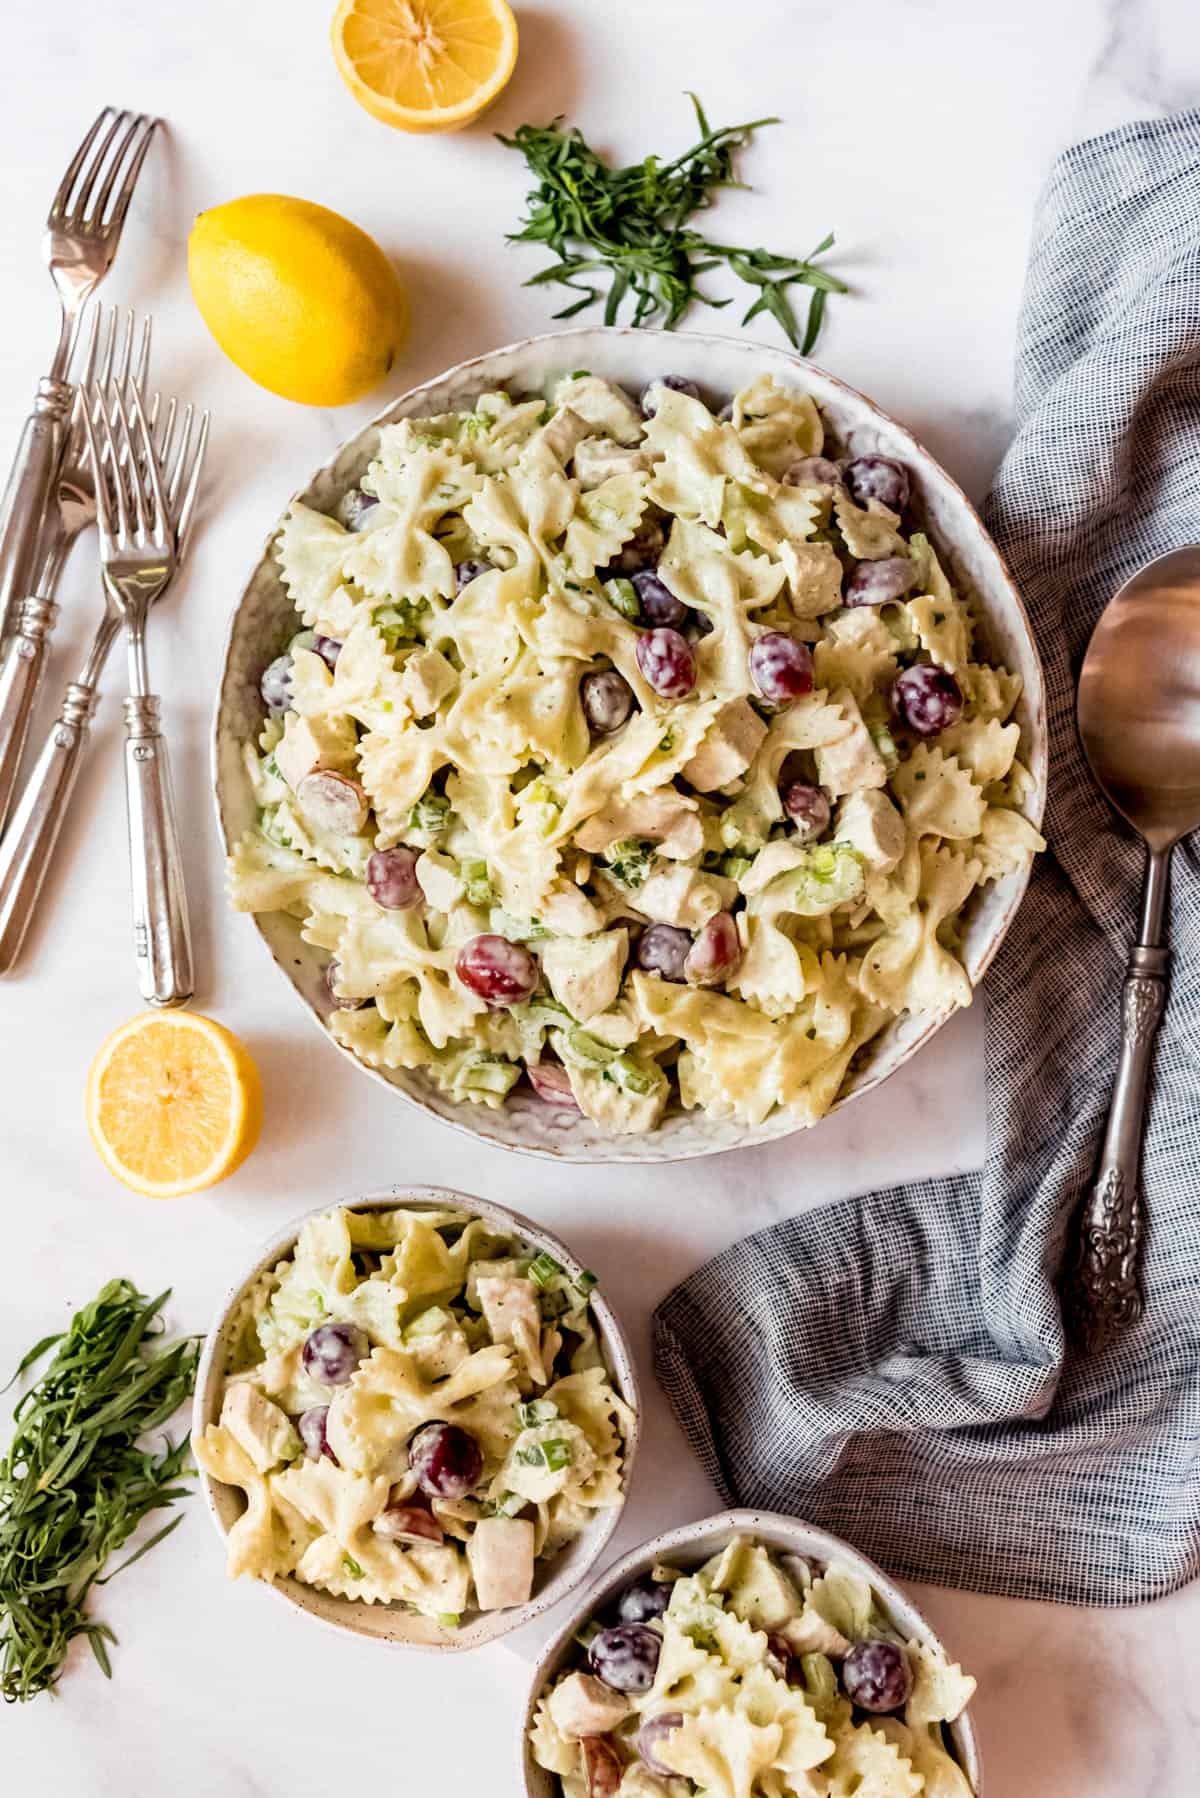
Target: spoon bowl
x,y
1139,699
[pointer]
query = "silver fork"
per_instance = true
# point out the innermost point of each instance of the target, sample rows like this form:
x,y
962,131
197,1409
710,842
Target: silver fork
x,y
83,229
27,847
72,510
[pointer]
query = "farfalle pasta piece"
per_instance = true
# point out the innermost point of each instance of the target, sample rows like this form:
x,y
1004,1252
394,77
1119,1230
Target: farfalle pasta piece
x,y
263,1543
941,1691
777,424
943,629
857,653
605,518
866,1764
869,532
311,550
907,968
983,746
695,455
703,571
990,692
937,796
726,1752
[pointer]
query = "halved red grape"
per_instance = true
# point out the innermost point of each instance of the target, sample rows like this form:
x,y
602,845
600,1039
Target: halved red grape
x,y
311,1425
468,571
408,1523
551,1082
601,1767
880,583
497,971
652,392
667,663
715,953
625,1657
813,471
644,1600
275,684
651,1737
332,802
607,700
659,605
927,699
353,508
876,1676
781,667
333,1351
447,1460
328,648
879,478
343,1002
642,550
391,878
662,949
808,806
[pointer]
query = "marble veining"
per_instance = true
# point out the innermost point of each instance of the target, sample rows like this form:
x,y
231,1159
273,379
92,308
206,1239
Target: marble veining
x,y
920,130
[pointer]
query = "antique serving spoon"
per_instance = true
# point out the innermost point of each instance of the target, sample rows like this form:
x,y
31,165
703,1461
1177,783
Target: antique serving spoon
x,y
1139,722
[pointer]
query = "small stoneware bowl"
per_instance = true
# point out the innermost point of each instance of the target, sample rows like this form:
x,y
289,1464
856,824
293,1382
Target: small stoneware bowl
x,y
390,1623
689,1547
264,620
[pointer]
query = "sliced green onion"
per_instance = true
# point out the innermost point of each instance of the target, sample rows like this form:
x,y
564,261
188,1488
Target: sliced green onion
x,y
543,1268
477,883
630,1075
553,1455
586,1281
621,595
429,813
538,1410
352,1567
449,1619
589,1049
509,1504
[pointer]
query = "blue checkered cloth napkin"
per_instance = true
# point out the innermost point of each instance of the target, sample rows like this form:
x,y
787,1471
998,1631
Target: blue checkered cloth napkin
x,y
894,1367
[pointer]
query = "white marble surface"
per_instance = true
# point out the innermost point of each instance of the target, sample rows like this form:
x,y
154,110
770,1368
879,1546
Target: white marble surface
x,y
920,130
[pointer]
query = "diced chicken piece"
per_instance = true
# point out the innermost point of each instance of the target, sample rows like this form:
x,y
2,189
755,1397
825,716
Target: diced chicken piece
x,y
507,1303
427,679
585,974
584,1706
259,1426
439,879
564,431
685,896
853,760
500,1556
569,912
598,458
810,1634
870,823
779,857
732,741
311,743
663,817
602,406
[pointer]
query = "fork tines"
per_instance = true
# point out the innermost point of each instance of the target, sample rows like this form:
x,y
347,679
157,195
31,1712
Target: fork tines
x,y
112,152
146,480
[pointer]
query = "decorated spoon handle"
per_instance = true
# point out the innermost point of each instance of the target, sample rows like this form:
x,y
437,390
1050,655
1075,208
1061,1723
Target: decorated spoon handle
x,y
1104,1298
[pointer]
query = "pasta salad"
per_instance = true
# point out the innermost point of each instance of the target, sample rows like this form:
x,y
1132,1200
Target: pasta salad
x,y
757,1675
418,1411
637,752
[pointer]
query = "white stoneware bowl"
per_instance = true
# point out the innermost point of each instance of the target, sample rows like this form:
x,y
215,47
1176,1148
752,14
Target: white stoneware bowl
x,y
388,1623
263,621
689,1547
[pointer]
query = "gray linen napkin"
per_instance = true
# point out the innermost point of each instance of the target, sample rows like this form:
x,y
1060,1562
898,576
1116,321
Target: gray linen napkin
x,y
894,1368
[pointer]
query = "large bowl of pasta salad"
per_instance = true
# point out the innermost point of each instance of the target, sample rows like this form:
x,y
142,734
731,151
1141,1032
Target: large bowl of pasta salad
x,y
631,747
415,1419
746,1656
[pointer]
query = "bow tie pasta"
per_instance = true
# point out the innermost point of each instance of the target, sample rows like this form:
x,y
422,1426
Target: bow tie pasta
x,y
592,700
417,1411
756,1676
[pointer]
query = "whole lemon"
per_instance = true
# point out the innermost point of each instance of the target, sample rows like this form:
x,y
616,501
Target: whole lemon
x,y
300,299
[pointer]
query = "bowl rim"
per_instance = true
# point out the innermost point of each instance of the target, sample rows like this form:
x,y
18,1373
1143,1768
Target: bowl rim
x,y
484,1626
404,405
809,1539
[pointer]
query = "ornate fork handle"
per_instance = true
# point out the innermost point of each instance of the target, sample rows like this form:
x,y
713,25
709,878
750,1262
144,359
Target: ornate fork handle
x,y
1103,1296
20,677
161,935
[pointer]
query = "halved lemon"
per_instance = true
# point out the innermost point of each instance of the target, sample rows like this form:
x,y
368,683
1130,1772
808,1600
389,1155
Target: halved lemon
x,y
425,65
174,1103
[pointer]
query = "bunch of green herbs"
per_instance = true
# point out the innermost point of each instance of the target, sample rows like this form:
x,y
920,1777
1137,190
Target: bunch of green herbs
x,y
633,226
75,1485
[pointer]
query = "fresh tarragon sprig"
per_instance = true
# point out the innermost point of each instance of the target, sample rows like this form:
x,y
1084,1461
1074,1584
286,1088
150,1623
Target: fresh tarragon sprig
x,y
632,224
75,1482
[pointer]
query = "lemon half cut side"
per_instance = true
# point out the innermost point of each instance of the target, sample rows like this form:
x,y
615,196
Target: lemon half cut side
x,y
174,1103
425,65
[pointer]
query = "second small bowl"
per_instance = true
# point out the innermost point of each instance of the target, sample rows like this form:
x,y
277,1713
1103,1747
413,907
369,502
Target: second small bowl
x,y
391,1623
688,1548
